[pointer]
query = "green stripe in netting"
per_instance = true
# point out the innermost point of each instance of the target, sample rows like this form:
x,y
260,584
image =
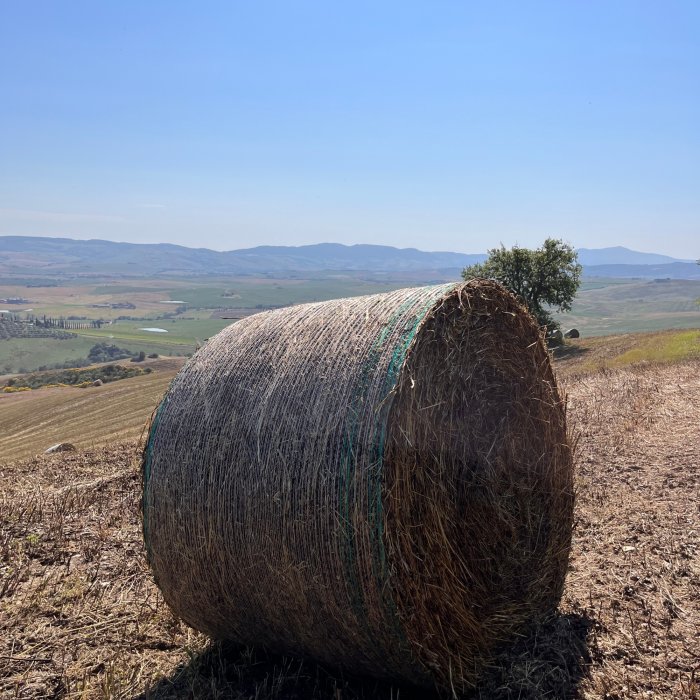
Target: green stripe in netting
x,y
375,512
395,365
346,483
375,486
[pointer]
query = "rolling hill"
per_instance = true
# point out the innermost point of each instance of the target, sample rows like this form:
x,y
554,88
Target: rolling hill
x,y
618,255
32,421
26,255
63,258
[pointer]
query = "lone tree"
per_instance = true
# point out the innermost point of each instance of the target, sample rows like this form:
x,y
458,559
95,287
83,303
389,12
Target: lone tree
x,y
543,279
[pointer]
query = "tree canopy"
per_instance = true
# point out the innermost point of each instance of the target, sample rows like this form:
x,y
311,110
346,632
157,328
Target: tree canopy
x,y
544,279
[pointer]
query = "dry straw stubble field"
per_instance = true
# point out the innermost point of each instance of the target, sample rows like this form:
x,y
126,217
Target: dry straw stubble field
x,y
34,420
81,617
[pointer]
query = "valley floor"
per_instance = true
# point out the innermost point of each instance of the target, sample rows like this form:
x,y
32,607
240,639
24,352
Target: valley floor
x,y
81,617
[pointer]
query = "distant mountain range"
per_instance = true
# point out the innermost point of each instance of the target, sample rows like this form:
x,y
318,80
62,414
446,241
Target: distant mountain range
x,y
617,255
66,258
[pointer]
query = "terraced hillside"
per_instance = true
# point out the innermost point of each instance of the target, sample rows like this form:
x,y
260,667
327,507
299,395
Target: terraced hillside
x,y
32,421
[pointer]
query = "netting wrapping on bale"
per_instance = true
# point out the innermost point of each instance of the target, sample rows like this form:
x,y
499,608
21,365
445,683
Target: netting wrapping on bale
x,y
382,483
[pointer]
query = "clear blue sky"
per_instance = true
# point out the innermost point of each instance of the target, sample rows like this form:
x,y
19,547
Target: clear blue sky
x,y
439,125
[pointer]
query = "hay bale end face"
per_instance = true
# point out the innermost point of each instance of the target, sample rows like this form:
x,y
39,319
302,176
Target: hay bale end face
x,y
381,483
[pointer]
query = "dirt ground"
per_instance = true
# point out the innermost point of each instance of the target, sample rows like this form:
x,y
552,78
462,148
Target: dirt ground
x,y
635,567
80,616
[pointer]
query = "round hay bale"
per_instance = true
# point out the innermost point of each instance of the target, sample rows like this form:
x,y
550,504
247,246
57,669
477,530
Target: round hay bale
x,y
381,483
556,336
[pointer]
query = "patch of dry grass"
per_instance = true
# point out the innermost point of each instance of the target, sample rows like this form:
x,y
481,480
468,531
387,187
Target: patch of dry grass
x,y
635,568
591,355
78,611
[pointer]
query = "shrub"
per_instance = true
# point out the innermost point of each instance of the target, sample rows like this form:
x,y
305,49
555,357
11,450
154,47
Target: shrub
x,y
104,352
77,377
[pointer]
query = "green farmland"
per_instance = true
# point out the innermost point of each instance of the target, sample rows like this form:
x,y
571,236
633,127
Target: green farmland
x,y
181,333
603,307
633,306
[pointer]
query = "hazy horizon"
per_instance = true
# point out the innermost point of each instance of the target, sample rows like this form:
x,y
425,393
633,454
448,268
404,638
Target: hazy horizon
x,y
424,250
446,127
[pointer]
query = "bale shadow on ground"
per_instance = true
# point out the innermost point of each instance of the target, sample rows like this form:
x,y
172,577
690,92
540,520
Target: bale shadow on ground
x,y
549,662
569,351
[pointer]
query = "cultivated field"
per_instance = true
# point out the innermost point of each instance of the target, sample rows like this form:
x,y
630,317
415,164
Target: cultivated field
x,y
191,309
604,307
81,617
32,421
